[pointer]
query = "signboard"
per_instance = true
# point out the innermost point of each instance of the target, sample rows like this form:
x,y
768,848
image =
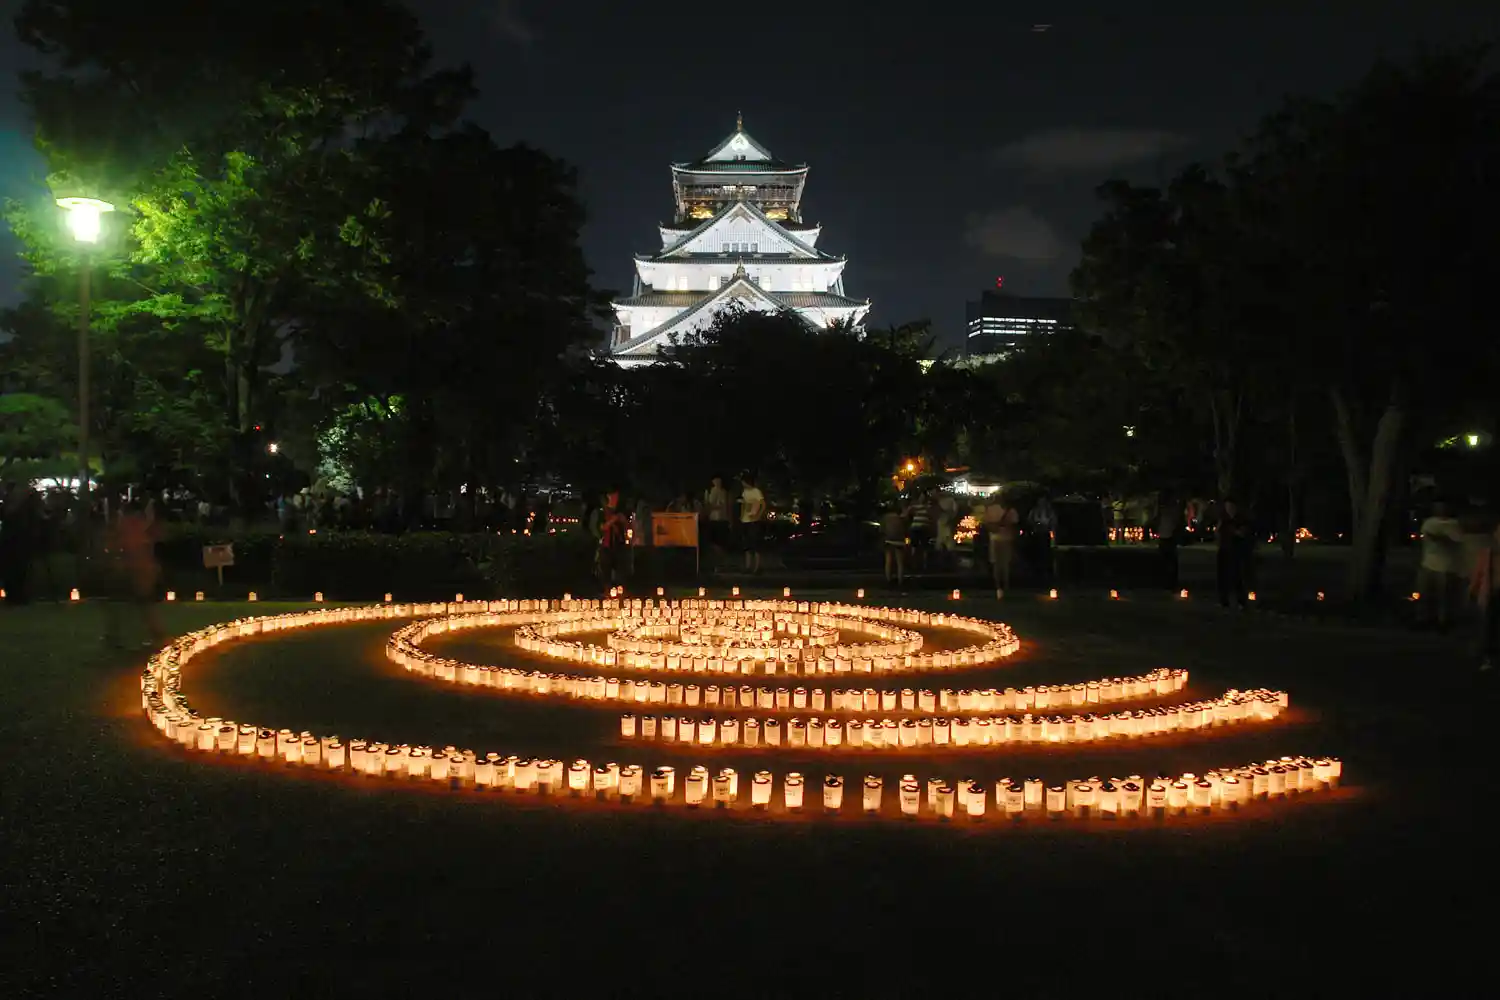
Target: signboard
x,y
216,556
674,530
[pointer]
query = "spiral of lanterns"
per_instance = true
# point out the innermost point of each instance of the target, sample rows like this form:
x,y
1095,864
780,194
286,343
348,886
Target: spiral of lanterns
x,y
724,644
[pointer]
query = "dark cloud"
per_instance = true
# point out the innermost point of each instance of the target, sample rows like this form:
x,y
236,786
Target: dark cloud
x,y
1088,149
1016,232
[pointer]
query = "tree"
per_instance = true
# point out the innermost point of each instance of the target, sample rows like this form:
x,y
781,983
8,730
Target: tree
x,y
1379,199
1174,275
35,433
230,143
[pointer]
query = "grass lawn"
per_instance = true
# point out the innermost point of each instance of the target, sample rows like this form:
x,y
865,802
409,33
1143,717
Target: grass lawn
x,y
133,868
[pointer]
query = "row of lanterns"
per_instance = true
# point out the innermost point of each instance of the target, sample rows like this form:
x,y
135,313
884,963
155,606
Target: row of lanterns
x,y
927,731
168,709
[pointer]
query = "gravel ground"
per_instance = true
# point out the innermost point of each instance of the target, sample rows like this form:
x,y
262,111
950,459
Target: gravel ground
x,y
130,868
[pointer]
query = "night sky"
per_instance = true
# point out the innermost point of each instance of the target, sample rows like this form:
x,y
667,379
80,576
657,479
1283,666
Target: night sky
x,y
946,148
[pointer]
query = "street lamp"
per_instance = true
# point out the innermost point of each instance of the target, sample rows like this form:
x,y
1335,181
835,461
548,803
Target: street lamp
x,y
83,216
1472,440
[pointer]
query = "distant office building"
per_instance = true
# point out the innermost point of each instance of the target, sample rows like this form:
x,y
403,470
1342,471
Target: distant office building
x,y
1000,321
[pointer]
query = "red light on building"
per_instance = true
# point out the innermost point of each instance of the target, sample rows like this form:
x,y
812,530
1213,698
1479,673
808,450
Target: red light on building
x,y
1000,282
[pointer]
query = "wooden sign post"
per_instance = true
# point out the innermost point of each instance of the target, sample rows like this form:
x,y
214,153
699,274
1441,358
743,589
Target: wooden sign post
x,y
217,557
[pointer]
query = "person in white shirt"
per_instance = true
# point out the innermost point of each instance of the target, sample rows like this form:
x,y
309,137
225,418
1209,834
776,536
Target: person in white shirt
x,y
752,521
1442,562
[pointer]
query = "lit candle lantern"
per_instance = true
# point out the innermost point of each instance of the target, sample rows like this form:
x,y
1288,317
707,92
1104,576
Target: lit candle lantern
x,y
860,594
1056,800
701,591
708,732
171,595
723,789
791,789
910,796
630,782
1014,799
945,798
1320,595
873,787
1109,800
1052,593
73,595
696,786
1251,595
578,777
627,726
786,591
734,591
760,790
974,799
1177,796
387,598
318,597
833,793
956,594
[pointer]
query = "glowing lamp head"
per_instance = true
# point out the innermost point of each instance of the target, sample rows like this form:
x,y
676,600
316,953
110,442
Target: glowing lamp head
x,y
318,597
387,598
1472,440
84,217
1416,595
1251,595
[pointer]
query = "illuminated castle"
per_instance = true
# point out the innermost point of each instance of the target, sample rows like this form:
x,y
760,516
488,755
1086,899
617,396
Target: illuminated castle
x,y
737,239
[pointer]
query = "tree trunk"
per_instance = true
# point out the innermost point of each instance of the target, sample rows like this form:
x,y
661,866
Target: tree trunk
x,y
1293,514
1370,482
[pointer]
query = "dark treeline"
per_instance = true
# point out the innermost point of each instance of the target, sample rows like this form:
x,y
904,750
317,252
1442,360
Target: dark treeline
x,y
314,249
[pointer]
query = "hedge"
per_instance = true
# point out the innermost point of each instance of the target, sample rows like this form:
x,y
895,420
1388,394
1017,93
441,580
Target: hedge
x,y
357,565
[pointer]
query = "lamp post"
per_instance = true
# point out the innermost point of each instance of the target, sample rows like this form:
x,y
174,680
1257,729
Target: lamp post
x,y
83,216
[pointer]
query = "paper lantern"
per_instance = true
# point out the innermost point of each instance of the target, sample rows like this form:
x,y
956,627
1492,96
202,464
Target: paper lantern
x,y
696,786
198,596
786,591
734,591
171,595
73,595
945,801
873,787
723,789
956,594
387,598
627,726
1183,593
833,793
1251,595
760,790
1052,593
1056,800
318,597
579,773
630,782
974,800
791,790
661,785
701,591
253,597
910,793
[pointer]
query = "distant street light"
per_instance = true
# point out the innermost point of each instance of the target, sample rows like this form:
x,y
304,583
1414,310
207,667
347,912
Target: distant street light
x,y
83,216
273,447
1472,440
